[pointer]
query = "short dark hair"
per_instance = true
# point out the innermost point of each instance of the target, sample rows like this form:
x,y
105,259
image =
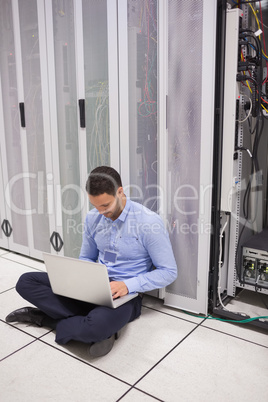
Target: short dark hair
x,y
103,179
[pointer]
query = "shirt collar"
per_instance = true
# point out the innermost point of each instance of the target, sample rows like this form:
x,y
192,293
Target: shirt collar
x,y
124,213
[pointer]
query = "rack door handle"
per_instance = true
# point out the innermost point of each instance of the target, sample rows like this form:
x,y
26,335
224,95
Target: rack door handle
x,y
22,114
56,241
81,103
6,227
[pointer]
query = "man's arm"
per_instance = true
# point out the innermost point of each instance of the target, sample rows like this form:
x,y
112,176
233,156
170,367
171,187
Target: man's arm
x,y
89,251
159,248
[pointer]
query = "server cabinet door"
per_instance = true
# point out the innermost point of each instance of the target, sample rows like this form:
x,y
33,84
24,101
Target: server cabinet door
x,y
31,64
191,60
97,84
65,129
97,77
82,63
100,82
138,77
12,138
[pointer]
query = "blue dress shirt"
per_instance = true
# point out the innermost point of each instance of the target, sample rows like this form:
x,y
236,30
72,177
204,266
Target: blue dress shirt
x,y
138,242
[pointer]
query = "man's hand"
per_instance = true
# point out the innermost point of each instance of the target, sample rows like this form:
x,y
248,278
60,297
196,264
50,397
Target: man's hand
x,y
118,289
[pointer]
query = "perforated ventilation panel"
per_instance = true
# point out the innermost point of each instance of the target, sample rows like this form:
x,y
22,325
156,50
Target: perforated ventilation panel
x,y
142,89
96,82
33,99
11,122
185,25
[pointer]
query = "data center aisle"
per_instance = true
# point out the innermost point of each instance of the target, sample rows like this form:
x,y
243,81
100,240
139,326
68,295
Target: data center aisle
x,y
165,355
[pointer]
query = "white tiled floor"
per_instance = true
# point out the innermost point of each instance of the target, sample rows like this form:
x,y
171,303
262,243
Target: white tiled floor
x,y
165,355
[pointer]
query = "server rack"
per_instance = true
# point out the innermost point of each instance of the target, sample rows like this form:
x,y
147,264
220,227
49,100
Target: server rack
x,y
231,209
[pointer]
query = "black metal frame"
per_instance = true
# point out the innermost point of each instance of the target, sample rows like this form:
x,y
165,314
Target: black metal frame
x,y
217,154
213,302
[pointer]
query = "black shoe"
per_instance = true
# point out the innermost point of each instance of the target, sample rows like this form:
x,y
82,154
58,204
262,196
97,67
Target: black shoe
x,y
102,348
27,314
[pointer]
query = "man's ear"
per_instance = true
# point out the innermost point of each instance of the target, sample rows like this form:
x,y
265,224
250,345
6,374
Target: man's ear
x,y
120,191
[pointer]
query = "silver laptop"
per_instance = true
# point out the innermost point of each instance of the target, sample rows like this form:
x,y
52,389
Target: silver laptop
x,y
82,280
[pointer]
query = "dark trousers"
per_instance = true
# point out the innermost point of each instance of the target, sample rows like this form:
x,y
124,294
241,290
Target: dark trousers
x,y
76,320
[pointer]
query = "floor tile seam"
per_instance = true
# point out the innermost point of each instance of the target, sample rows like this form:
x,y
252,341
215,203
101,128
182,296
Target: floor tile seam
x,y
18,350
235,336
160,360
21,255
84,362
21,330
4,291
7,252
147,393
23,264
140,390
171,315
